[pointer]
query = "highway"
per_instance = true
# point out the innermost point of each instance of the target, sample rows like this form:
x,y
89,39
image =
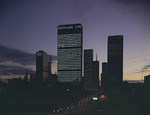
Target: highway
x,y
85,106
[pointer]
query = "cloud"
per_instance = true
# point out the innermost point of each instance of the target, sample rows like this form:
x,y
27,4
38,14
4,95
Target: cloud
x,y
53,58
12,70
15,61
17,56
144,69
9,76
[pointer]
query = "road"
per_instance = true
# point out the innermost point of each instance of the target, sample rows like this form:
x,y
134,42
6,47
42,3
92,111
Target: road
x,y
85,105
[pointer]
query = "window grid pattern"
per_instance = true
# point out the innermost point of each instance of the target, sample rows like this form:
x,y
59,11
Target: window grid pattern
x,y
69,57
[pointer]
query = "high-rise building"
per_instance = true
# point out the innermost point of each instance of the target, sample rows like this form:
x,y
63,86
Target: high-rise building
x,y
115,60
95,79
91,70
104,75
43,66
69,52
88,68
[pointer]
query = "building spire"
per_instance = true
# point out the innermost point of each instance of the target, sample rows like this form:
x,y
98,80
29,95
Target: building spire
x,y
96,57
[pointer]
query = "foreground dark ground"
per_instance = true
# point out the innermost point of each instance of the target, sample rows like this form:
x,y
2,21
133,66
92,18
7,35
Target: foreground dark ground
x,y
18,101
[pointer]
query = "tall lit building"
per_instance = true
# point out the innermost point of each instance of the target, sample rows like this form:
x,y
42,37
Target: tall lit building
x,y
88,68
115,60
43,66
69,52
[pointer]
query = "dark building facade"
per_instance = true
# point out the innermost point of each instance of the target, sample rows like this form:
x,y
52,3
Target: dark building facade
x,y
91,71
69,52
115,60
147,81
95,74
43,66
104,75
88,68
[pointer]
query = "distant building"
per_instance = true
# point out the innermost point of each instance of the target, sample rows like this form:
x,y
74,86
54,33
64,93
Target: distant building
x,y
4,81
17,83
88,68
147,81
104,75
69,52
43,66
53,80
115,60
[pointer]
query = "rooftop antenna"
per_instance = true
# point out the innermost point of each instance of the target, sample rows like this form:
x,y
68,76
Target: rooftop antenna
x,y
96,57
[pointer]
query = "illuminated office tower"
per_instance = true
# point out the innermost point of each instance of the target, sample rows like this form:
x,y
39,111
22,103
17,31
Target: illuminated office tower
x,y
69,52
43,66
115,60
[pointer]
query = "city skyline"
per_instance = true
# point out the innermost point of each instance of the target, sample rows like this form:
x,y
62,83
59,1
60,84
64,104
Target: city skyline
x,y
27,27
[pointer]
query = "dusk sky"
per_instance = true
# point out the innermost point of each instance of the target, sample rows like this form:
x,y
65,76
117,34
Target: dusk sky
x,y
27,26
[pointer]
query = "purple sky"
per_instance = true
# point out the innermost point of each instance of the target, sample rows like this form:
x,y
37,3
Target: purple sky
x,y
27,26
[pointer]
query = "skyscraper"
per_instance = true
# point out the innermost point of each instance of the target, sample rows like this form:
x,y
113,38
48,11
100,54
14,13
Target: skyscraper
x,y
104,75
95,78
115,60
43,66
69,52
91,70
88,68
